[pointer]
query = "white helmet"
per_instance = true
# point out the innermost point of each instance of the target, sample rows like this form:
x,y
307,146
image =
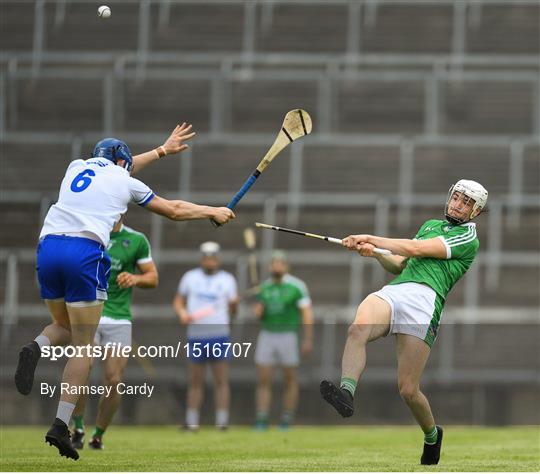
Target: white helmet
x,y
210,248
472,190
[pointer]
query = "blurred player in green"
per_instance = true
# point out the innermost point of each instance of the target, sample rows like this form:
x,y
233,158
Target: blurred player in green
x,y
427,266
131,266
283,306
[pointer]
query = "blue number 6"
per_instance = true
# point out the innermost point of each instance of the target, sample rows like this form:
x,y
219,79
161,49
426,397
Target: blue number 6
x,y
81,181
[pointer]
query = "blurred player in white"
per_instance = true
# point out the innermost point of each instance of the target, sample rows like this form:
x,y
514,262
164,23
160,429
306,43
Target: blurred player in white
x,y
410,307
207,297
73,266
283,306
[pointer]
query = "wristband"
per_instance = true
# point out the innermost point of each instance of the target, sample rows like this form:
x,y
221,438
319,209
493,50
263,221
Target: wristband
x,y
160,151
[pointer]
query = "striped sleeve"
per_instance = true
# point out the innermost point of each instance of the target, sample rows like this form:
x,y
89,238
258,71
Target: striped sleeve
x,y
141,194
460,241
144,253
304,299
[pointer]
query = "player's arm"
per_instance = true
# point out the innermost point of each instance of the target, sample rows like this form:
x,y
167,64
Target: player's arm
x,y
147,278
232,296
173,144
394,264
258,309
185,211
179,305
233,306
307,326
433,248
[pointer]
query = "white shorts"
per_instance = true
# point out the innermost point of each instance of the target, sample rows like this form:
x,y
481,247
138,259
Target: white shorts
x,y
112,331
416,310
277,348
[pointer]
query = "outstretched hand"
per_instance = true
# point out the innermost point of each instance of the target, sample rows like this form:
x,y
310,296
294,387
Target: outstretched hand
x,y
175,143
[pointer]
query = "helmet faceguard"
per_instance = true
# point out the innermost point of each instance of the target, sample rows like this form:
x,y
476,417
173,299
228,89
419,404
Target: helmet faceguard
x,y
114,150
474,192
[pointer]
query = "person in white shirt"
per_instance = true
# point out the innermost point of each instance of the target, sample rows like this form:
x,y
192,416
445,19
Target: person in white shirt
x,y
207,297
73,266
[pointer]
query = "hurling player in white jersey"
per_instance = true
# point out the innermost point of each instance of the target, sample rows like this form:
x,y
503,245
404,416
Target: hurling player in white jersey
x,y
73,266
410,306
206,299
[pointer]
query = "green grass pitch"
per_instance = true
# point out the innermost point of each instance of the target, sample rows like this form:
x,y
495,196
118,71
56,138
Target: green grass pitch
x,y
300,449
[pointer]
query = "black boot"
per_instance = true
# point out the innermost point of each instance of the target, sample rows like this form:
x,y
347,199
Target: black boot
x,y
339,398
28,359
432,452
77,439
58,436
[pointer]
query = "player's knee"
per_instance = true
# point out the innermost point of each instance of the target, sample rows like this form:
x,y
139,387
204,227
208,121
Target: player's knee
x,y
408,391
359,331
221,384
265,381
289,377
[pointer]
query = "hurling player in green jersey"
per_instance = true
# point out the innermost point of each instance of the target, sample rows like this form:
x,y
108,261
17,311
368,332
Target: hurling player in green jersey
x,y
410,307
284,307
131,266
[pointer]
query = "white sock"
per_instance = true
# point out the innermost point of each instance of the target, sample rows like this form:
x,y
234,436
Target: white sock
x,y
42,340
65,409
222,417
192,417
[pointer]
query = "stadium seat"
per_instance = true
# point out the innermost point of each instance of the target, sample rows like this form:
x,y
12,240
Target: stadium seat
x,y
508,338
58,104
29,291
158,105
505,29
516,238
273,100
3,270
24,167
81,22
487,107
511,288
199,27
323,28
23,221
16,25
345,169
224,168
428,29
436,168
379,106
531,172
328,284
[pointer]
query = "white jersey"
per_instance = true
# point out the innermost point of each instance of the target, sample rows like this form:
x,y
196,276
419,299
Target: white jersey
x,y
93,195
207,301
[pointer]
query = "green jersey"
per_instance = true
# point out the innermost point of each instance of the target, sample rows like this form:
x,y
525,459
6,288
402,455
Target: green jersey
x,y
461,248
282,303
127,249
